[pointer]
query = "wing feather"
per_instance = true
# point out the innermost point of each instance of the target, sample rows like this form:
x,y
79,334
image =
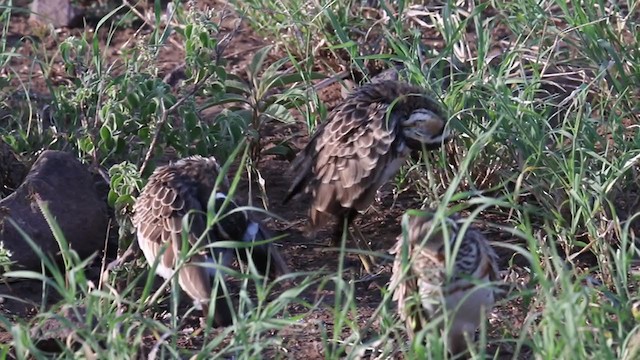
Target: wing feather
x,y
422,294
160,208
407,293
353,150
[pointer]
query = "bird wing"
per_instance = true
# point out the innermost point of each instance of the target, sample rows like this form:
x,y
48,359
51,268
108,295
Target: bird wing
x,y
476,258
352,156
159,212
356,149
164,202
416,291
403,283
489,266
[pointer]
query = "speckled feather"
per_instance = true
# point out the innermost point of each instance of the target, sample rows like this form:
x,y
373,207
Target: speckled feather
x,y
182,187
171,192
419,292
358,148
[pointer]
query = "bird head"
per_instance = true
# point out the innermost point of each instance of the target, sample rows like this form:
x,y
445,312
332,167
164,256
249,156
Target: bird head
x,y
239,226
265,255
424,225
425,127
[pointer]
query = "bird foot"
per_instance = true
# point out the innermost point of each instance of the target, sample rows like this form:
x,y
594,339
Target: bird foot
x,y
380,195
292,224
119,261
368,263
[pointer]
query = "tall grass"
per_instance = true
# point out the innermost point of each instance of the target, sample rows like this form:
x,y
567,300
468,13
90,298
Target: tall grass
x,y
543,98
546,146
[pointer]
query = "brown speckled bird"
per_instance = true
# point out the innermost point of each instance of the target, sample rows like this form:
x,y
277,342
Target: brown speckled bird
x,y
363,143
182,187
423,289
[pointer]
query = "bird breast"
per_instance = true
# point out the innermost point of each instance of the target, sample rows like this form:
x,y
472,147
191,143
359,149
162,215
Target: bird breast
x,y
392,169
468,308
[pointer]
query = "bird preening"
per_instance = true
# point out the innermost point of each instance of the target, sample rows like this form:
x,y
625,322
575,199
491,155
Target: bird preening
x,y
440,271
185,187
362,144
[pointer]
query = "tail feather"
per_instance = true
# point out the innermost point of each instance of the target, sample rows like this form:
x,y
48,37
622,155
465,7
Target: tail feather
x,y
301,166
295,188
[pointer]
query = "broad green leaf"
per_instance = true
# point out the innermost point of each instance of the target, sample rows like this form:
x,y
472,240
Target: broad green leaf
x,y
125,199
112,197
258,59
238,85
105,134
280,113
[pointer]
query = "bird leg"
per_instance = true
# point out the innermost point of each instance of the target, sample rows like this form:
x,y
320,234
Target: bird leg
x,y
203,319
367,260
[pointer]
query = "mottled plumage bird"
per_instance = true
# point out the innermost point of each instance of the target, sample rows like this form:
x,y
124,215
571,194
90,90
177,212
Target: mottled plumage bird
x,y
182,187
423,289
363,143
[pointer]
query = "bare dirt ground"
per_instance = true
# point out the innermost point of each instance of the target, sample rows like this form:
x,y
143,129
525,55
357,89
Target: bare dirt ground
x,y
381,224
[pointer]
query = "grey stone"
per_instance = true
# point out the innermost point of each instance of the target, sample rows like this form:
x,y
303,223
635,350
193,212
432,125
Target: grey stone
x,y
59,13
61,181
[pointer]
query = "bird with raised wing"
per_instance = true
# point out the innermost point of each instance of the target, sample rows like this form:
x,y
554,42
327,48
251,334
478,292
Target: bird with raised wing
x,y
184,187
425,290
362,144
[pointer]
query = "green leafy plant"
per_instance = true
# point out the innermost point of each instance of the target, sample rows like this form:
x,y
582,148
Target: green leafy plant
x,y
5,258
268,95
542,96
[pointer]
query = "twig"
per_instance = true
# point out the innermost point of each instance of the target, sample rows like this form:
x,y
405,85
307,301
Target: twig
x,y
121,259
163,120
104,258
335,78
154,350
245,50
222,45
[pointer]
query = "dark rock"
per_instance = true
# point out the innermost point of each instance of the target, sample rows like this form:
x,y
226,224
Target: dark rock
x,y
60,180
21,299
